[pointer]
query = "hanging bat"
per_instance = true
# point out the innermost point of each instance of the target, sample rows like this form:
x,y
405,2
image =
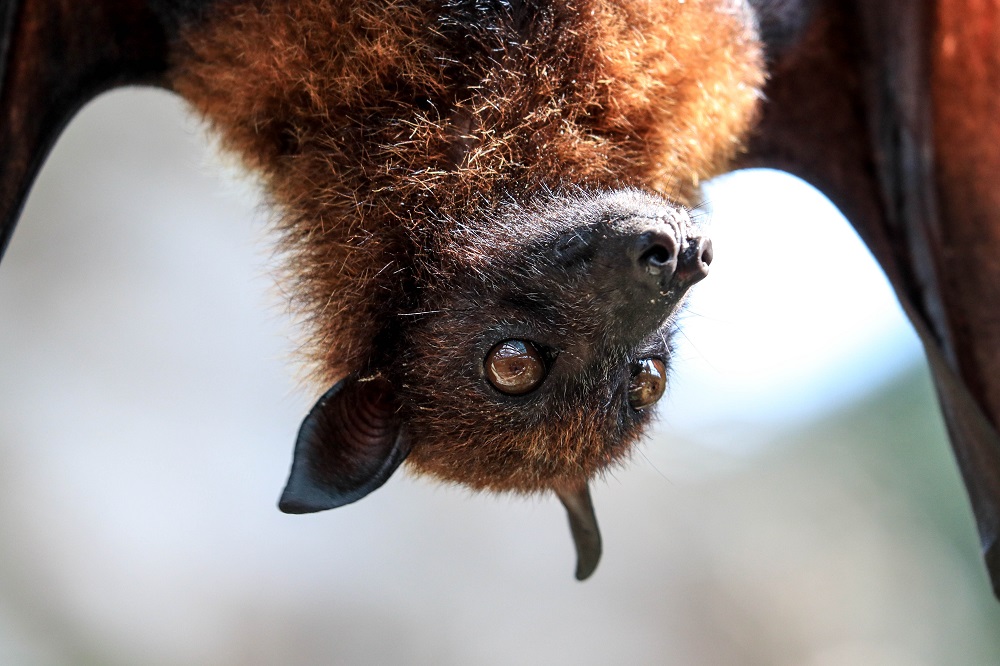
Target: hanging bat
x,y
484,206
450,177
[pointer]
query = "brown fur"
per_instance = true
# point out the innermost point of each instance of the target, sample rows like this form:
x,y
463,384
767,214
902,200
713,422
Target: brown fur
x,y
385,129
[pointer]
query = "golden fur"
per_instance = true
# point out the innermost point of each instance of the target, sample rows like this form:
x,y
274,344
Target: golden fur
x,y
382,127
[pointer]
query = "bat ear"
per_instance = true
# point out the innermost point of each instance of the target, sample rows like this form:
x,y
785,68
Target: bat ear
x,y
348,446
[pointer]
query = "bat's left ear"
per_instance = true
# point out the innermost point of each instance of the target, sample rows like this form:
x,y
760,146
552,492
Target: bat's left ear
x,y
349,445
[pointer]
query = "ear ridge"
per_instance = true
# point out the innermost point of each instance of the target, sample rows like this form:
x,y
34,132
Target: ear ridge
x,y
349,444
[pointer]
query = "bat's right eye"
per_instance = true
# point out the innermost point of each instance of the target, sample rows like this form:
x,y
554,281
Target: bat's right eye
x,y
515,367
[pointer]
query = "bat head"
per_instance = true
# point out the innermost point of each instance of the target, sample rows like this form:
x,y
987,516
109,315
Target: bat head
x,y
473,200
531,361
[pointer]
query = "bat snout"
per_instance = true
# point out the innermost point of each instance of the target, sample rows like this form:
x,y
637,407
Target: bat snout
x,y
659,262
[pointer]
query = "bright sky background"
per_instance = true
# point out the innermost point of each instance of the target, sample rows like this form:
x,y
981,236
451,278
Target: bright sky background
x,y
795,317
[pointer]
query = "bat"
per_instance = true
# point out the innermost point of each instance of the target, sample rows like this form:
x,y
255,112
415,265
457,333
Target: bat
x,y
446,171
485,206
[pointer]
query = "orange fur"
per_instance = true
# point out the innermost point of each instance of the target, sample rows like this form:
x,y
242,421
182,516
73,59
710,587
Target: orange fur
x,y
381,130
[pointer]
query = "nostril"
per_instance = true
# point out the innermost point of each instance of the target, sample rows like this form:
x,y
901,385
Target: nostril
x,y
655,255
657,259
695,260
706,252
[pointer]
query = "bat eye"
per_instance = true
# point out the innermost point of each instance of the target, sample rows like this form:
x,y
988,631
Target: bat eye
x,y
515,367
649,379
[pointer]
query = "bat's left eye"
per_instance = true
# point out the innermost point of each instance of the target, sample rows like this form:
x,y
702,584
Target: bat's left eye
x,y
649,379
515,367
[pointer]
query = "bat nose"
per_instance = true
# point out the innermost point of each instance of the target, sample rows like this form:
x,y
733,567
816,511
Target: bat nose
x,y
659,259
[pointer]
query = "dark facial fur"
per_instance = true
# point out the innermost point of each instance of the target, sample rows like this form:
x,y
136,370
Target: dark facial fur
x,y
565,277
449,175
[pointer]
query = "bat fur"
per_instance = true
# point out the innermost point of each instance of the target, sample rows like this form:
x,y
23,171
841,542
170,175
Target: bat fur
x,y
414,150
422,154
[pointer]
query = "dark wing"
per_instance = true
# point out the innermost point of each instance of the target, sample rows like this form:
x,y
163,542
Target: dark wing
x,y
57,55
886,106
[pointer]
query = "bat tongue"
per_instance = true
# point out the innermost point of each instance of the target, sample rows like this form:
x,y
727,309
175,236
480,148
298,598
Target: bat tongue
x,y
583,525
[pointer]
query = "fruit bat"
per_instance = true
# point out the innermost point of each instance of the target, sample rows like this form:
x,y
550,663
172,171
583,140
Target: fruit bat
x,y
484,204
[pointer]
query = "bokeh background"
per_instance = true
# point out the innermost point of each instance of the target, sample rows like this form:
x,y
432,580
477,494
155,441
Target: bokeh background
x,y
797,503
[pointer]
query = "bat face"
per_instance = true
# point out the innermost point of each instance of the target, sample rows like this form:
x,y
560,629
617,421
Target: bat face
x,y
541,350
531,361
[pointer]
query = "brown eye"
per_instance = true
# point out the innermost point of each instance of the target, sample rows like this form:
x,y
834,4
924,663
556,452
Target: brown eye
x,y
515,367
649,379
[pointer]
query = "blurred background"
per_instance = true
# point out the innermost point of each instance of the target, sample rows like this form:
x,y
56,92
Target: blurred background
x,y
797,503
